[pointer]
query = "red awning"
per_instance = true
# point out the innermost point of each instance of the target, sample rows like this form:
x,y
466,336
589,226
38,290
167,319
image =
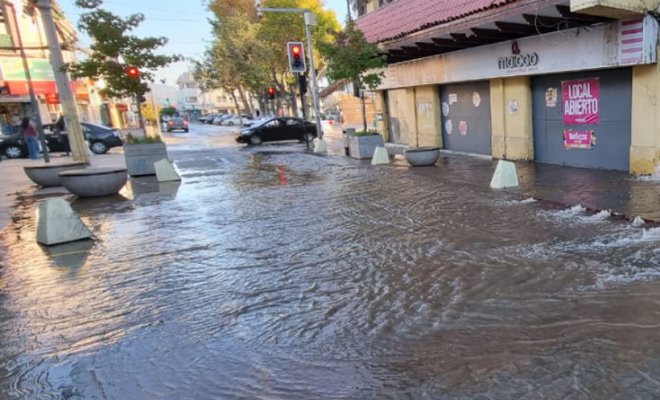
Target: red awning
x,y
403,17
40,87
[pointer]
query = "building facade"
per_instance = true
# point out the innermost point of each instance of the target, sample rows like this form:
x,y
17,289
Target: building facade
x,y
194,102
570,82
21,21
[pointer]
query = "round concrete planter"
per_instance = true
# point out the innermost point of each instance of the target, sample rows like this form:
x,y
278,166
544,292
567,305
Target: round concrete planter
x,y
48,175
422,156
94,182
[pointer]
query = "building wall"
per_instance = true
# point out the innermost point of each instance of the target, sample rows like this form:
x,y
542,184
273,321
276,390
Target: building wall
x,y
511,114
645,144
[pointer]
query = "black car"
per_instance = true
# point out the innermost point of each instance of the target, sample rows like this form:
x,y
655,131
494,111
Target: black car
x,y
274,129
100,139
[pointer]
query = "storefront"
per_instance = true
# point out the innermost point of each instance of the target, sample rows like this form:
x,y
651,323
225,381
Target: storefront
x,y
576,97
466,120
583,119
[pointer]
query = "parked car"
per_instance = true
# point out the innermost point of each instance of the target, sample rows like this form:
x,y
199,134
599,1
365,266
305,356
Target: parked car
x,y
219,118
100,139
204,118
236,120
177,124
274,129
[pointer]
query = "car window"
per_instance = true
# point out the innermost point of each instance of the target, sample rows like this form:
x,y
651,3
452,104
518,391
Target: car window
x,y
292,122
274,123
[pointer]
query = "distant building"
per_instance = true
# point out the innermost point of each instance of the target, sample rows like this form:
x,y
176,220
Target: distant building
x,y
194,103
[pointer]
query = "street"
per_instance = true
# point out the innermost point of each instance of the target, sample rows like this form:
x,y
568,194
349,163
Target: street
x,y
271,272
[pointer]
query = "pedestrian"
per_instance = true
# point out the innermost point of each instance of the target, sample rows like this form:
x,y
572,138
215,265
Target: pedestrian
x,y
60,131
30,136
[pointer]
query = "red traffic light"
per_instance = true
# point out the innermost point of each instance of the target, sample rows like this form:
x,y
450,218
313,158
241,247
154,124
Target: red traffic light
x,y
296,53
271,92
133,72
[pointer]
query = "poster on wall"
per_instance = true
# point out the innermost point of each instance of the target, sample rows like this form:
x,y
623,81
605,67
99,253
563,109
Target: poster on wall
x,y
579,139
581,101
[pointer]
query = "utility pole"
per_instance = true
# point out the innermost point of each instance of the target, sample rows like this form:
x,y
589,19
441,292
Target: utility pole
x,y
76,138
28,77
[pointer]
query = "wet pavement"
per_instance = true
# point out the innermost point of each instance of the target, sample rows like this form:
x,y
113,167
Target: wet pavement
x,y
273,273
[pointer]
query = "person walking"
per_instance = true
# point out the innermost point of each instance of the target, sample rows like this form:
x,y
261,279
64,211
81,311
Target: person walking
x,y
30,135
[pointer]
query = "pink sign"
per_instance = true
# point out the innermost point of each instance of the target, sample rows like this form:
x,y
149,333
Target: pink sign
x,y
581,101
579,139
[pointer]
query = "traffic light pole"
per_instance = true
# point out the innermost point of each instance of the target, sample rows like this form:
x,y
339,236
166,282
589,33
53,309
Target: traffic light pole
x,y
310,19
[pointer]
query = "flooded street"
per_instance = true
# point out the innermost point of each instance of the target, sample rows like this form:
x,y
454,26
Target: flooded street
x,y
273,273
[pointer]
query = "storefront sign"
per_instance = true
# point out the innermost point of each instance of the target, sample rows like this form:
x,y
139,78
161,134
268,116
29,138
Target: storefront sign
x,y
581,101
12,69
579,139
517,60
52,98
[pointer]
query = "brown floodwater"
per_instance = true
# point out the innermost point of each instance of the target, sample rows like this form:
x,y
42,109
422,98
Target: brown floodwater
x,y
283,275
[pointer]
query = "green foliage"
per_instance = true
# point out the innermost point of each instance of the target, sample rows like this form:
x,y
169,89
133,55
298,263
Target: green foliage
x,y
365,133
130,139
169,111
352,58
114,49
250,53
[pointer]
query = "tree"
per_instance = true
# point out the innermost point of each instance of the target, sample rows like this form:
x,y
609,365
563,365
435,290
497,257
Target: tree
x,y
114,50
169,111
250,54
352,58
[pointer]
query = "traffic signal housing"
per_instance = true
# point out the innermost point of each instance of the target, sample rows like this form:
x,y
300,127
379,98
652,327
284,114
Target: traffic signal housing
x,y
296,53
133,72
271,93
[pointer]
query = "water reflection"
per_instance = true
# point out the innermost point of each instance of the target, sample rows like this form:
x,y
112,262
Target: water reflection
x,y
71,256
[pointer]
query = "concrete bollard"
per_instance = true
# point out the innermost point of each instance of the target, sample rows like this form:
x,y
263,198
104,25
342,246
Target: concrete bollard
x,y
165,171
58,223
381,157
505,175
321,147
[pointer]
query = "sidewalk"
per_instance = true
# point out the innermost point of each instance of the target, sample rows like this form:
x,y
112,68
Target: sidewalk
x,y
623,194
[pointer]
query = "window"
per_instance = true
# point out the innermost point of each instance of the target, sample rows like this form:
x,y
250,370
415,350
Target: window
x,y
191,99
384,2
292,122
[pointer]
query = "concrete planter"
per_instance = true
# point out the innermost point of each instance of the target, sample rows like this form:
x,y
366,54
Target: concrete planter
x,y
140,158
94,182
364,146
48,175
422,156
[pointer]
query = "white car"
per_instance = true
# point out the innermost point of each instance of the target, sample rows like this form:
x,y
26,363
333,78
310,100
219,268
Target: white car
x,y
217,120
236,120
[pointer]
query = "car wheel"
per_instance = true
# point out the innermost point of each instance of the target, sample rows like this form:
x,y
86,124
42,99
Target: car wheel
x,y
13,151
230,123
309,137
98,147
255,140
186,131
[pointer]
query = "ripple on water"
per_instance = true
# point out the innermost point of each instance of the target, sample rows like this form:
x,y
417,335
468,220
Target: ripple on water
x,y
338,282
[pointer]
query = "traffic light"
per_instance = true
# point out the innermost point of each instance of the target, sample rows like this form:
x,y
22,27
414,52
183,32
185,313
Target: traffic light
x,y
133,72
271,93
302,82
296,56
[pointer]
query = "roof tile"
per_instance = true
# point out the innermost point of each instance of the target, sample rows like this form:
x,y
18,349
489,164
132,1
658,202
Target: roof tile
x,y
403,17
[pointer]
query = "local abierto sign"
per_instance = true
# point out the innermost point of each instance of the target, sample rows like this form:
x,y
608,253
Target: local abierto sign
x,y
581,100
579,139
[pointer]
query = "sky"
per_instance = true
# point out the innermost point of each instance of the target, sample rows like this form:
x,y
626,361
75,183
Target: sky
x,y
184,23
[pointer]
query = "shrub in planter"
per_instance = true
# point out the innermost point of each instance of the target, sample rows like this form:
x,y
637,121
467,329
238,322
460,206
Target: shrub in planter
x,y
363,144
